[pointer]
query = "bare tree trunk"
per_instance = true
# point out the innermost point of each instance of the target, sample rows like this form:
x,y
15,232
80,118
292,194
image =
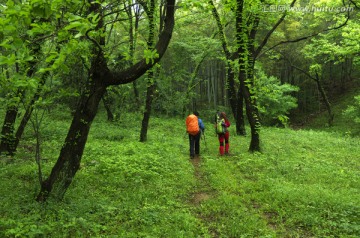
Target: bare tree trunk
x,y
236,103
148,106
7,133
69,159
107,105
325,99
322,93
28,112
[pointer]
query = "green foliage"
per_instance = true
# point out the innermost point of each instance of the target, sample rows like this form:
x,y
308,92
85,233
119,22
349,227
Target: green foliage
x,y
353,111
315,69
274,99
150,55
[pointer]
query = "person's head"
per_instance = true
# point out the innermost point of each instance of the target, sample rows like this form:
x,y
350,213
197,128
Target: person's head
x,y
196,113
223,115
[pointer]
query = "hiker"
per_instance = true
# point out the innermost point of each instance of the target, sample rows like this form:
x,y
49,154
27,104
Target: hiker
x,y
222,124
194,127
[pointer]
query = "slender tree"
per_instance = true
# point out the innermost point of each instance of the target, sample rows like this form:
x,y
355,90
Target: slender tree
x,y
151,81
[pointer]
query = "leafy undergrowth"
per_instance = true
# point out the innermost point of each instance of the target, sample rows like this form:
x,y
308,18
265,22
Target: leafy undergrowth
x,y
303,184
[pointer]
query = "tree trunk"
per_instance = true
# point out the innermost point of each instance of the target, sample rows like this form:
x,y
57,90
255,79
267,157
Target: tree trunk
x,y
151,80
326,100
9,141
7,133
136,93
148,105
69,159
28,112
107,106
251,109
246,63
240,121
235,102
101,76
321,91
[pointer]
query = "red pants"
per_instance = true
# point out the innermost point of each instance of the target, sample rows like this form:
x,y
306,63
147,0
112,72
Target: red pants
x,y
222,138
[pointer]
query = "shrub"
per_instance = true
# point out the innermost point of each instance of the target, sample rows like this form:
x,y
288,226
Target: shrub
x,y
353,111
274,99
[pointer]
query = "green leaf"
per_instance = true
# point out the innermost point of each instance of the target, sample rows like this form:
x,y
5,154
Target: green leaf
x,y
73,25
9,60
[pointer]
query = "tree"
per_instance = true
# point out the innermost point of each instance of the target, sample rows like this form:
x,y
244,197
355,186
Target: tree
x,y
100,78
247,52
151,84
22,56
315,39
236,99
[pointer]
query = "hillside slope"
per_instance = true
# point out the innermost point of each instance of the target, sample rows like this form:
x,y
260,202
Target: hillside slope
x,y
341,124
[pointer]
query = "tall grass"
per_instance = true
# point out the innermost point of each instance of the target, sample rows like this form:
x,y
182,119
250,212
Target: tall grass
x,y
305,183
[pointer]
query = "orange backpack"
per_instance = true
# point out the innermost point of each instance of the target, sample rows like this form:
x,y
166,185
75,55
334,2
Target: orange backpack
x,y
192,125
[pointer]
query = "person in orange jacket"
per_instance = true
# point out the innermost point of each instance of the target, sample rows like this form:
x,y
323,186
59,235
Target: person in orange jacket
x,y
194,134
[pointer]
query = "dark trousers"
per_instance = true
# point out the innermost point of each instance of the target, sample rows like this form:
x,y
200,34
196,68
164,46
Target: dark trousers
x,y
194,144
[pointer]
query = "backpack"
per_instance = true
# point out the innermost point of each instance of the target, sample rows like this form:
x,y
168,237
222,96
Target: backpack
x,y
220,125
192,125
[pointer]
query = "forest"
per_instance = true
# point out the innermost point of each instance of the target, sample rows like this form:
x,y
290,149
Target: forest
x,y
94,97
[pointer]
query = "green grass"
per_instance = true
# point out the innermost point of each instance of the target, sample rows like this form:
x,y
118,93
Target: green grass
x,y
305,183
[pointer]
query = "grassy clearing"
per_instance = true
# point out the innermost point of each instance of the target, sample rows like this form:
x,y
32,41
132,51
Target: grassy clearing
x,y
305,184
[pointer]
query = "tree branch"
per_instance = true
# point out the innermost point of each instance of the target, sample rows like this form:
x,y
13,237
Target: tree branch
x,y
356,6
309,36
263,43
135,71
303,71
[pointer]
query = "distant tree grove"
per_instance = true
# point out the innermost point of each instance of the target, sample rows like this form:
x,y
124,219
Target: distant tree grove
x,y
264,62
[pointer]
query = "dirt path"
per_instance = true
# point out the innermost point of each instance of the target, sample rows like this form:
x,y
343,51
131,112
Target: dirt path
x,y
203,190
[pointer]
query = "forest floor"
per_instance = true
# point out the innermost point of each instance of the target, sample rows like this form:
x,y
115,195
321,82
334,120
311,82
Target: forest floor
x,y
304,183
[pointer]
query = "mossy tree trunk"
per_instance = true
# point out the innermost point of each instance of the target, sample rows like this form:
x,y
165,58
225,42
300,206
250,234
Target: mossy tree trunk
x,y
235,99
246,30
246,67
151,84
